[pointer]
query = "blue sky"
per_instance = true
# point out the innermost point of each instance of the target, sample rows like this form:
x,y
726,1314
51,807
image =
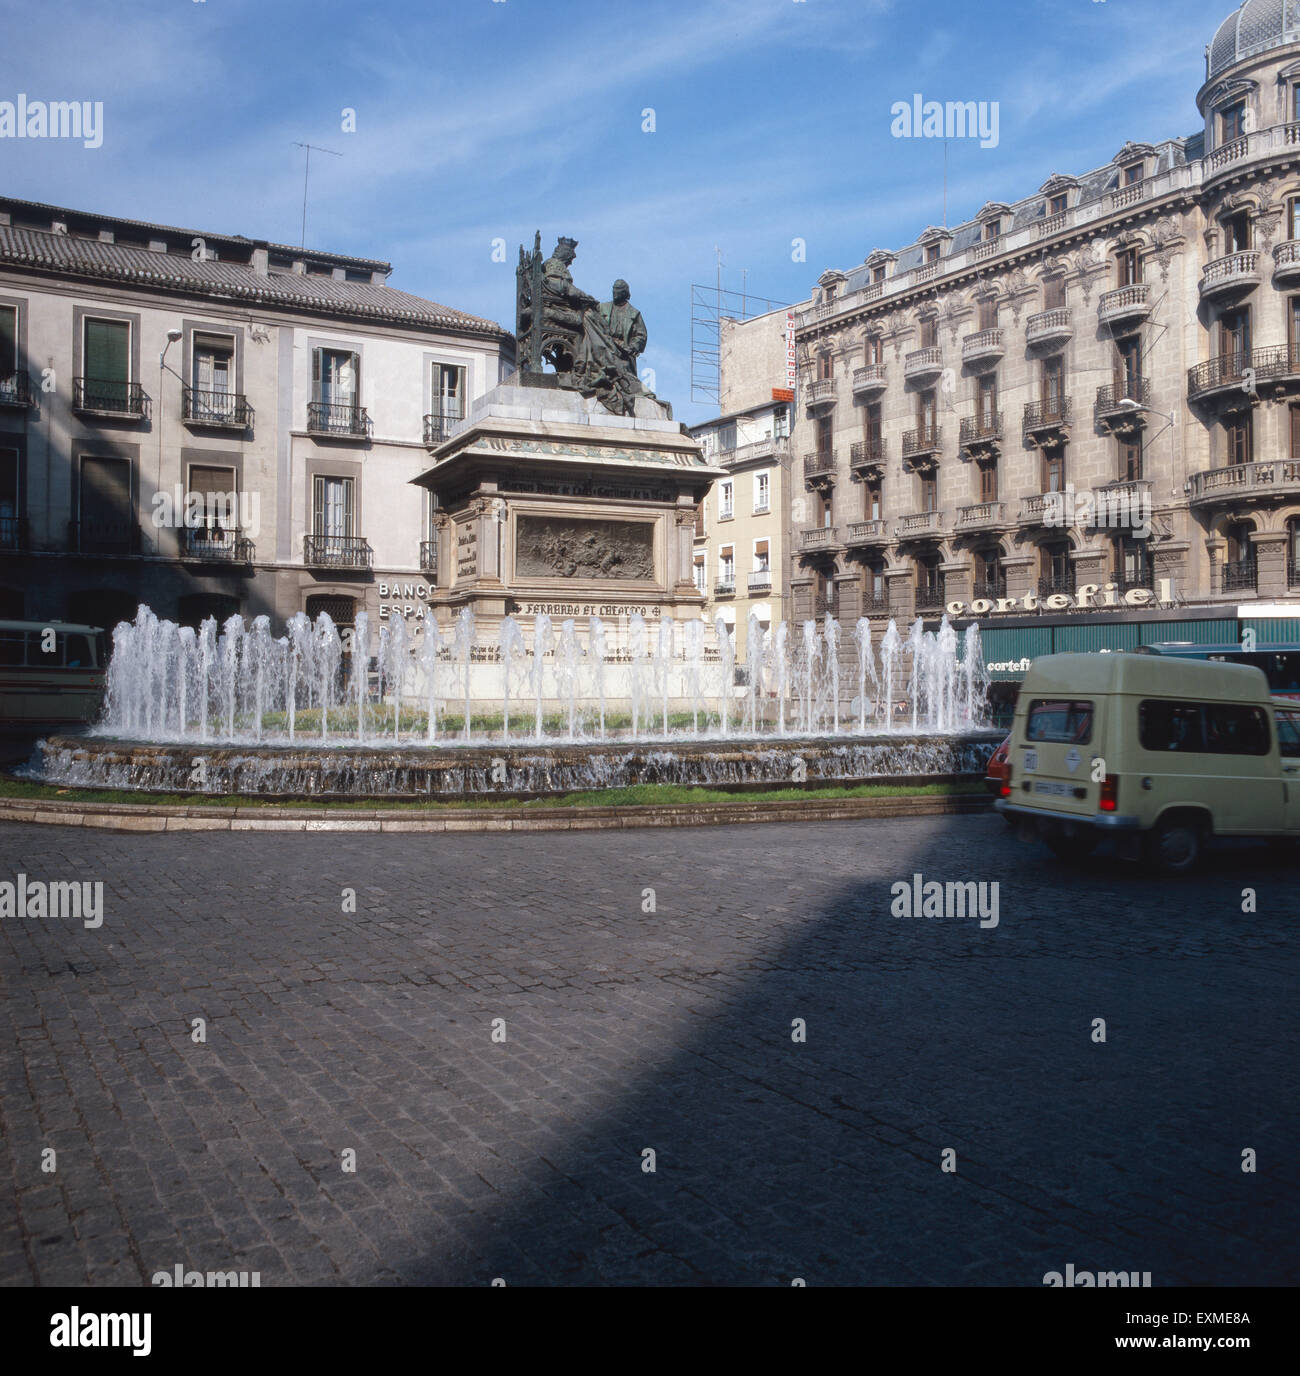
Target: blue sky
x,y
478,121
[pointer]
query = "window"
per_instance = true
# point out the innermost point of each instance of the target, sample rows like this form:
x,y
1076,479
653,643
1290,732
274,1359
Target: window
x,y
1293,326
8,344
699,573
342,611
1288,734
986,399
1130,460
1239,546
874,587
988,574
8,499
726,499
825,367
1128,367
929,581
1054,294
1058,575
929,492
1295,431
1058,204
727,567
988,482
448,395
992,229
1128,266
1234,336
781,423
825,509
824,432
871,501
762,492
1133,563
216,486
1232,122
1052,386
873,429
1293,213
988,315
1209,728
874,349
762,556
332,508
107,361
932,253
1055,722
213,373
727,437
334,378
1237,433
925,412
1236,233
878,274
929,332
1054,470
1133,174
106,514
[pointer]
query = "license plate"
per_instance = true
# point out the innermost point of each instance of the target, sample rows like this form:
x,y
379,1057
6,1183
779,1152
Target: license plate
x,y
1053,789
1031,761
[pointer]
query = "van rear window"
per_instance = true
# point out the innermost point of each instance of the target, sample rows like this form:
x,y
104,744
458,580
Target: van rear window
x,y
1203,728
1056,720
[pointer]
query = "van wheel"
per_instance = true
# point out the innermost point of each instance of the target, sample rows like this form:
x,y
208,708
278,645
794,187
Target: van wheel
x,y
1071,848
1174,846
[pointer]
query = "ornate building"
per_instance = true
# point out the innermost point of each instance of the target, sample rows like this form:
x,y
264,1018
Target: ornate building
x,y
1097,384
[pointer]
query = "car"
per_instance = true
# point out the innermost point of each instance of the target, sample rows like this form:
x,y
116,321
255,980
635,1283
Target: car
x,y
1159,755
997,768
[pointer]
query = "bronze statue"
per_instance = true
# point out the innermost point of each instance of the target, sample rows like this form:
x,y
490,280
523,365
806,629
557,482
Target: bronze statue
x,y
593,346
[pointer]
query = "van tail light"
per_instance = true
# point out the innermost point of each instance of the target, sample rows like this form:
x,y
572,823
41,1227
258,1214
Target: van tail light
x,y
1109,793
1006,781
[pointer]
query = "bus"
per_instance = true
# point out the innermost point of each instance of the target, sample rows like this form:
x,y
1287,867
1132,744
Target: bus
x,y
51,671
1280,660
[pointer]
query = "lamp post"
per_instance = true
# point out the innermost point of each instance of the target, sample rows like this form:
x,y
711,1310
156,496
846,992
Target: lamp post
x,y
173,337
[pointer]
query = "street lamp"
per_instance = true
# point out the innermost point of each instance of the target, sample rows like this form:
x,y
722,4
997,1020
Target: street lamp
x,y
1128,404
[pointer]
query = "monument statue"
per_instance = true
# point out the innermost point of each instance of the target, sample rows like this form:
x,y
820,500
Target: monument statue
x,y
592,345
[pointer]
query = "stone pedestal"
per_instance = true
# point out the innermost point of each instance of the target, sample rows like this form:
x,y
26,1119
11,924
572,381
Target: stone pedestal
x,y
547,503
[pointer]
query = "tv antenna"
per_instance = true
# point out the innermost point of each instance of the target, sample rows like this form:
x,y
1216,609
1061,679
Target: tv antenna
x,y
306,172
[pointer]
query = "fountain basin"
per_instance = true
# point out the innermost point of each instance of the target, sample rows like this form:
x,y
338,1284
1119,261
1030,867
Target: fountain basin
x,y
504,771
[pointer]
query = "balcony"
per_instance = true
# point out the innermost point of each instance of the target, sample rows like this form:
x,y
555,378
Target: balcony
x,y
875,604
981,516
819,464
929,597
220,410
819,539
980,434
869,380
1286,262
866,534
991,592
1239,575
1046,422
1246,483
725,587
821,394
760,580
216,544
920,525
1126,305
867,457
1120,505
1049,327
826,604
774,447
438,427
1034,510
1129,195
1293,570
336,552
1228,372
104,537
1109,410
16,389
922,364
13,532
1058,585
120,400
923,442
429,559
341,420
983,350
1052,224
1234,272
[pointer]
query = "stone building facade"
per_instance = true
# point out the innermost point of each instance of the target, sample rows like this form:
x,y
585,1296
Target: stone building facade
x,y
293,393
1096,386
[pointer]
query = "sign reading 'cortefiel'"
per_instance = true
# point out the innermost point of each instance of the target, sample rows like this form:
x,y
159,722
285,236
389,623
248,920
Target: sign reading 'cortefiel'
x,y
1087,595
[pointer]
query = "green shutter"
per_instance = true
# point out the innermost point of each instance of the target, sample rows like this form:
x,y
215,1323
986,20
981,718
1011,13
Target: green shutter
x,y
108,364
8,342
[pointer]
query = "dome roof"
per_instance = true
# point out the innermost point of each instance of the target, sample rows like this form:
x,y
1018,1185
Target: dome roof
x,y
1255,28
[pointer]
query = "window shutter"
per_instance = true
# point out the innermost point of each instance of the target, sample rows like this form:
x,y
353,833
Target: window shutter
x,y
8,342
107,351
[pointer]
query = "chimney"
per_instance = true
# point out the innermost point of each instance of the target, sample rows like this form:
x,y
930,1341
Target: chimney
x,y
261,259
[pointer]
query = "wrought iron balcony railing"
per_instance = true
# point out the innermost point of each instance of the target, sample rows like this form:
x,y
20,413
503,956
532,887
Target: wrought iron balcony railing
x,y
337,551
438,427
925,439
867,453
990,590
980,429
228,409
1239,575
1046,415
725,587
337,418
16,389
875,603
217,543
106,397
819,462
1112,394
1229,371
1058,584
429,558
929,597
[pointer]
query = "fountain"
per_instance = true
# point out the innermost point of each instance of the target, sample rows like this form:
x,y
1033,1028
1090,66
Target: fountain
x,y
239,694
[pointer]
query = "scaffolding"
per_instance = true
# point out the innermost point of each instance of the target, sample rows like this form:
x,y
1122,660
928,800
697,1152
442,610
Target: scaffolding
x,y
710,306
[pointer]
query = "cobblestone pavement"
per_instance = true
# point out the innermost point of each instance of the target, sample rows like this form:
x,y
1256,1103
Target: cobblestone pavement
x,y
626,1030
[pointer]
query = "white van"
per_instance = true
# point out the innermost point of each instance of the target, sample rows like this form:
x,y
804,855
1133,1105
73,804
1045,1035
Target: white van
x,y
1162,754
